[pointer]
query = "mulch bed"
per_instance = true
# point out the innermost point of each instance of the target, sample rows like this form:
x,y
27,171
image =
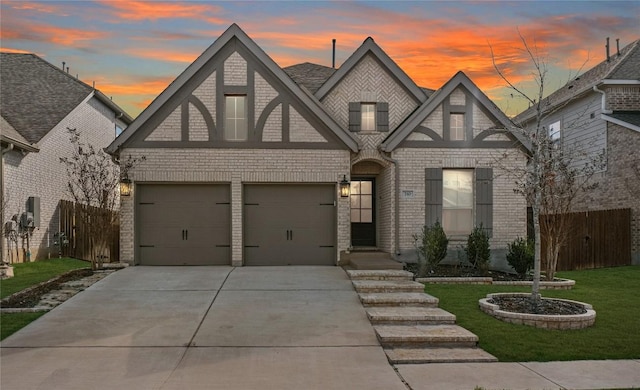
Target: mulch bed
x,y
448,271
524,304
31,296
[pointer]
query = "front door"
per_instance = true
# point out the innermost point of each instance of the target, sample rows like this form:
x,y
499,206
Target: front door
x,y
363,219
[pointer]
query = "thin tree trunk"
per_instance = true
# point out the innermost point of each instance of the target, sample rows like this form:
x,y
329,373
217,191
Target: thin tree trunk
x,y
535,289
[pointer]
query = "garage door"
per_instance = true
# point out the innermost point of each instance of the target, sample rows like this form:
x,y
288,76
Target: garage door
x,y
289,224
183,224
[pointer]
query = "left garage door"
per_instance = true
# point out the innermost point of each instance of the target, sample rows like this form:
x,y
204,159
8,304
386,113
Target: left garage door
x,y
183,224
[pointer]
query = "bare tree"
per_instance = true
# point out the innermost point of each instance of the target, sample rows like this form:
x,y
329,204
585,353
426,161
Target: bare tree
x,y
555,173
93,180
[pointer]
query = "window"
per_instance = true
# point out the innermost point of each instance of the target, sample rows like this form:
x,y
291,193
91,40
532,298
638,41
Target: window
x,y
457,201
361,201
456,127
368,111
554,132
235,118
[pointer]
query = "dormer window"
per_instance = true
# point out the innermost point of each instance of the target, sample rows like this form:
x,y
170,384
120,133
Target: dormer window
x,y
456,127
367,116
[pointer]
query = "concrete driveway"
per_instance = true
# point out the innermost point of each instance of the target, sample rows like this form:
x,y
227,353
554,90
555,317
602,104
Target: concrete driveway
x,y
203,328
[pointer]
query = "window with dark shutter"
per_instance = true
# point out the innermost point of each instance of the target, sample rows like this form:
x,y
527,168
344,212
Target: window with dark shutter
x,y
433,196
354,116
382,116
484,199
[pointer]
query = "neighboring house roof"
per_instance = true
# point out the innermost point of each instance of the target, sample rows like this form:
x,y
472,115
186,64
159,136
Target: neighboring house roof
x,y
628,119
369,46
35,95
311,76
9,135
625,66
234,31
418,116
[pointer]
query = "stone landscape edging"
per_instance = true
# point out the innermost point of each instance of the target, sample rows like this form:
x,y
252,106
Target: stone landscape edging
x,y
544,321
558,284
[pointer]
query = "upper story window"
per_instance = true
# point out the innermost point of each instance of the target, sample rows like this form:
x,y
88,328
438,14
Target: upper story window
x,y
456,127
235,118
368,111
554,132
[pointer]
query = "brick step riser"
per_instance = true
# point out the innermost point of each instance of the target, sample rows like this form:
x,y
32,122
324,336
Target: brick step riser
x,y
380,290
427,344
401,304
412,322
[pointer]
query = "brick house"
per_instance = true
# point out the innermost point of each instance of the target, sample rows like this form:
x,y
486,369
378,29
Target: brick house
x,y
245,162
600,111
38,103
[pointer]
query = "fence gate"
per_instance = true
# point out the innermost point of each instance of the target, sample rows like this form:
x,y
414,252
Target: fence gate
x,y
596,239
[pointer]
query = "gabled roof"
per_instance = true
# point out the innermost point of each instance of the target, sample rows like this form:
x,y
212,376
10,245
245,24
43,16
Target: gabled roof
x,y
625,66
9,135
369,46
418,116
35,95
309,75
233,32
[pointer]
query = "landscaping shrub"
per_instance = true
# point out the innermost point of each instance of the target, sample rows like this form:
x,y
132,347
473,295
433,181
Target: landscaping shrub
x,y
477,249
431,244
520,256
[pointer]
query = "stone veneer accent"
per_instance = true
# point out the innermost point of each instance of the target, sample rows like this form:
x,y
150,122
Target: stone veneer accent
x,y
237,167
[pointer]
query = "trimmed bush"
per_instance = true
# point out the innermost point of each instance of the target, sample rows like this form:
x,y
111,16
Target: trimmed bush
x,y
520,256
431,244
477,249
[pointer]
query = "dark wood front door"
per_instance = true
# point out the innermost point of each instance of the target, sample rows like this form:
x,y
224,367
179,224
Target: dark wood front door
x,y
363,218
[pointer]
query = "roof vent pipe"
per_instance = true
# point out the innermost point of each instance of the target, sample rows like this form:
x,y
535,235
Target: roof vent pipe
x,y
607,46
63,65
333,54
618,45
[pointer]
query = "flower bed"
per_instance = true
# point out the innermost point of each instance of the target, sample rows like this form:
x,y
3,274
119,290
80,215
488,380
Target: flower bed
x,y
584,318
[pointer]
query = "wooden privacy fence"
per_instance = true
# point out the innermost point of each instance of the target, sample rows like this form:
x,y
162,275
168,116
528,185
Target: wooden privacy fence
x,y
73,225
596,239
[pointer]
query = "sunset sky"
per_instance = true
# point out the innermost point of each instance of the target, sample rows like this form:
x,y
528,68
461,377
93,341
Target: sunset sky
x,y
132,50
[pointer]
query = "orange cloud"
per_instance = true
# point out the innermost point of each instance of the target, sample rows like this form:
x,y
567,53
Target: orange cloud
x,y
52,34
10,50
39,7
145,10
161,54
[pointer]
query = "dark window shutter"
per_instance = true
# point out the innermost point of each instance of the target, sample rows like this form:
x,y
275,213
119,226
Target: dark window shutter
x,y
355,117
382,116
433,196
484,199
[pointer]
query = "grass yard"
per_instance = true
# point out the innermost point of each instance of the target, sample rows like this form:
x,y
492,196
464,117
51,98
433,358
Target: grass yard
x,y
613,292
27,275
30,274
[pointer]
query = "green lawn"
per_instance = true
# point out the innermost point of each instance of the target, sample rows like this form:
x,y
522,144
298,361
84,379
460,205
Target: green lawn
x,y
27,275
613,292
30,274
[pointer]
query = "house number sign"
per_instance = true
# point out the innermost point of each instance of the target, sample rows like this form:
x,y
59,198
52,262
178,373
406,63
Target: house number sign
x,y
407,194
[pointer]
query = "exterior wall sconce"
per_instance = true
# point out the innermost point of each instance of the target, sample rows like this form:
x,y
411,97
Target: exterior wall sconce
x,y
345,187
125,187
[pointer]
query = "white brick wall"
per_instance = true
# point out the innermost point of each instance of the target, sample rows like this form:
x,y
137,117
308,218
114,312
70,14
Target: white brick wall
x,y
434,121
238,167
457,97
272,131
300,130
169,129
235,70
43,175
206,93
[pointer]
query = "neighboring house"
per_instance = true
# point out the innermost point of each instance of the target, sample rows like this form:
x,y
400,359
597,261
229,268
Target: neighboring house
x,y
38,103
244,162
599,111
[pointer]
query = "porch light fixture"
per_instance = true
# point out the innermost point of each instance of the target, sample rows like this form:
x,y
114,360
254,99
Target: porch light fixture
x,y
125,187
345,187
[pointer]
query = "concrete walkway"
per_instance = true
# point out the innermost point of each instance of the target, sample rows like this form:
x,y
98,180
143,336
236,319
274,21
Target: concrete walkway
x,y
245,328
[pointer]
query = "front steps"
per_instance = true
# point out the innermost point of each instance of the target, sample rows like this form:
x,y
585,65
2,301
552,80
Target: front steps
x,y
409,325
371,260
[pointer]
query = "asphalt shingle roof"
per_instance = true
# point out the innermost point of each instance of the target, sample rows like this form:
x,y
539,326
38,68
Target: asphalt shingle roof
x,y
35,95
309,75
625,66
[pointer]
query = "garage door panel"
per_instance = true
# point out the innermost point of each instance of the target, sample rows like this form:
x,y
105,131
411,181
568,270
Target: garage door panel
x,y
183,224
289,224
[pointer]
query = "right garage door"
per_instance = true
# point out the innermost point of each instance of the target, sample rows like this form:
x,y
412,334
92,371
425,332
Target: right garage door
x,y
290,224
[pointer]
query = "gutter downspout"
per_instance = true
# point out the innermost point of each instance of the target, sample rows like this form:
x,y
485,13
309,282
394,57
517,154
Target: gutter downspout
x,y
604,100
396,201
